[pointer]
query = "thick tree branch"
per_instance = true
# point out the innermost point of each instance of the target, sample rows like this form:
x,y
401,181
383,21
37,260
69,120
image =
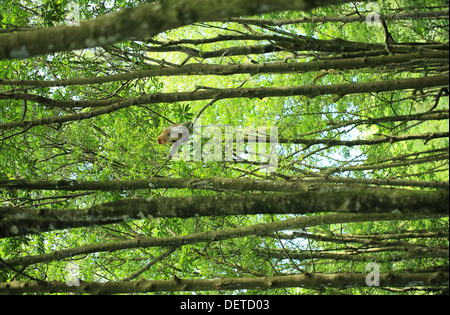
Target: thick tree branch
x,y
308,90
144,21
19,221
211,69
216,183
307,280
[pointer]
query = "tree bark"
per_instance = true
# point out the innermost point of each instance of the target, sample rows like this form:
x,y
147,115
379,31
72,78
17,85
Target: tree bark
x,y
144,21
213,69
306,280
20,221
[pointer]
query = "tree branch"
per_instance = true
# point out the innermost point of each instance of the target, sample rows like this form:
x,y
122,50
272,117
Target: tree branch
x,y
144,21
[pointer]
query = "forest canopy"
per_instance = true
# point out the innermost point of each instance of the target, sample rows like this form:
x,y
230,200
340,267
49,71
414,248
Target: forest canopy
x,y
316,157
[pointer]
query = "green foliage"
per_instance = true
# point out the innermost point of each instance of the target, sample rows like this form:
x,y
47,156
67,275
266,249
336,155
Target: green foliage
x,y
121,145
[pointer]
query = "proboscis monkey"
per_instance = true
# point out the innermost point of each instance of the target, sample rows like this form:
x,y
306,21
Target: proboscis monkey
x,y
176,134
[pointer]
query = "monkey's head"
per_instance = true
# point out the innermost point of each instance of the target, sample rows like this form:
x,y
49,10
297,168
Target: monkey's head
x,y
164,137
161,140
172,134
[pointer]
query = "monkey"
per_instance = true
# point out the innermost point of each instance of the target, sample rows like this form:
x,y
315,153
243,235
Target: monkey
x,y
164,137
172,134
176,134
